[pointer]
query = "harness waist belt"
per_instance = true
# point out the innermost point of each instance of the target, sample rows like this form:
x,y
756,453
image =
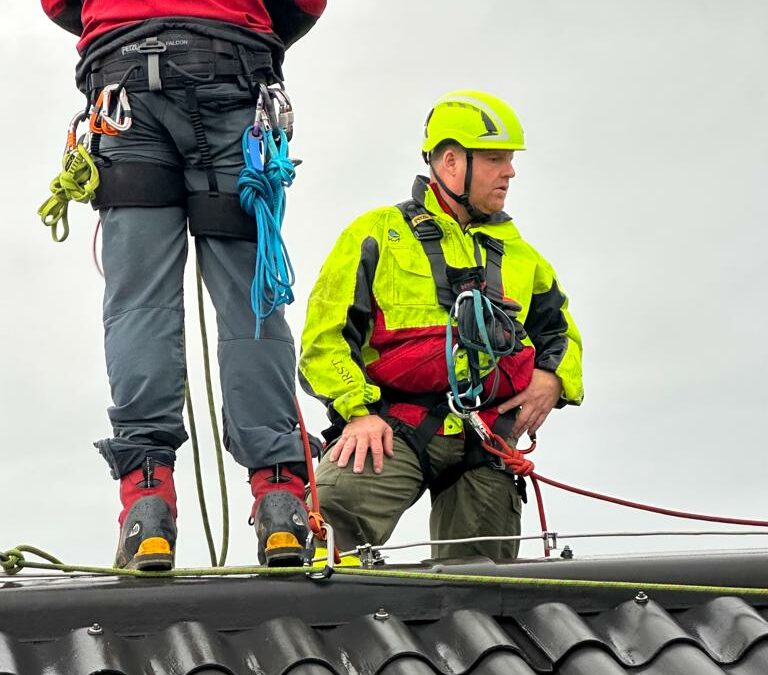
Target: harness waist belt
x,y
174,59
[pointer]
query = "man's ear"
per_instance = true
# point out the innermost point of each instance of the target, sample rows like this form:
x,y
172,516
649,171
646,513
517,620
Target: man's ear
x,y
450,161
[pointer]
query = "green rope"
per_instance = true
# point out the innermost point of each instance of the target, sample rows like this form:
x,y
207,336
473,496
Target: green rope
x,y
549,583
78,181
214,422
13,561
199,474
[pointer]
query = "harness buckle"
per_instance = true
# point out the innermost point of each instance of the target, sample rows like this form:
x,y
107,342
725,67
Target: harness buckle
x,y
427,230
151,45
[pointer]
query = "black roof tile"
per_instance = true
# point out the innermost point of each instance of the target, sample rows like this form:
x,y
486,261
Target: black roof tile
x,y
726,627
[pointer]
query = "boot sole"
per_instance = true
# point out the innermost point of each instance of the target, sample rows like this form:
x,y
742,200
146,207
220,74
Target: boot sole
x,y
151,563
285,557
154,554
284,550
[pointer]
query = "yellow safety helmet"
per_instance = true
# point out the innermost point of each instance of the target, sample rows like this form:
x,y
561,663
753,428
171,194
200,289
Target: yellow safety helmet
x,y
475,120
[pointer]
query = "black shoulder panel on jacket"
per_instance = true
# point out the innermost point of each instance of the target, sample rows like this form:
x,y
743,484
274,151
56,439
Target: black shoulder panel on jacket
x,y
69,17
288,20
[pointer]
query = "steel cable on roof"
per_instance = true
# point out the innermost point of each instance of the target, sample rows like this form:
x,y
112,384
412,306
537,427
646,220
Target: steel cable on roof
x,y
558,536
515,460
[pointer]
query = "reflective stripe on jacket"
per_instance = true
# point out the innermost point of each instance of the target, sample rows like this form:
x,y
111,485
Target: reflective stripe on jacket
x,y
376,295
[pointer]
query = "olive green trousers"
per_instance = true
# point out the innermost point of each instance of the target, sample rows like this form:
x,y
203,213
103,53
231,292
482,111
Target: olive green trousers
x,y
365,507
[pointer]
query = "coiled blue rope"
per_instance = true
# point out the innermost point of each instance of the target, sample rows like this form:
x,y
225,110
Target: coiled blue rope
x,y
262,184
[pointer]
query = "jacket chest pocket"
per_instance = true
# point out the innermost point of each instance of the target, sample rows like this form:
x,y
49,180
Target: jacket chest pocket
x,y
411,281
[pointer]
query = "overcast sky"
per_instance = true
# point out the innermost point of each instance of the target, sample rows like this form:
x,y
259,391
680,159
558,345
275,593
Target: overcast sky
x,y
644,184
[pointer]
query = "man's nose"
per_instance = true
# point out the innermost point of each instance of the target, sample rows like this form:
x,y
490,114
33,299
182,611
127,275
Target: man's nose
x,y
509,170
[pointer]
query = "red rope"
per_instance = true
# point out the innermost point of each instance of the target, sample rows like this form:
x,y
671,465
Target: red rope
x,y
316,521
308,457
515,459
652,509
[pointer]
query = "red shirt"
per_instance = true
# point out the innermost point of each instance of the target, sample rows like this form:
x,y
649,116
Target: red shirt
x,y
92,18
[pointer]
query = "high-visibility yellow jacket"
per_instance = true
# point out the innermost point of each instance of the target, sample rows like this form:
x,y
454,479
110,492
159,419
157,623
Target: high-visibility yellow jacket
x,y
373,317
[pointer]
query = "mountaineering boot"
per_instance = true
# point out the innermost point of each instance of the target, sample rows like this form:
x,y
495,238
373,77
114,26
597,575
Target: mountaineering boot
x,y
280,517
148,519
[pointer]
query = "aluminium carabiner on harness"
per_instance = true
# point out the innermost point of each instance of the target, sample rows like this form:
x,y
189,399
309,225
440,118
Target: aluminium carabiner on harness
x,y
72,137
105,121
470,416
285,117
274,111
265,120
122,118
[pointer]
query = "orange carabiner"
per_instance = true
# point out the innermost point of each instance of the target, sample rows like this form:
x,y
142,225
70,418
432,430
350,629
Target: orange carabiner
x,y
97,123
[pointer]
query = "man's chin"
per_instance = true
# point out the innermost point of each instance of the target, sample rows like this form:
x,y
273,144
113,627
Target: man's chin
x,y
493,208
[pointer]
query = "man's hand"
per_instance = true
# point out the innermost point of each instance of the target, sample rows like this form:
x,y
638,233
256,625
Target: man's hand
x,y
536,402
361,434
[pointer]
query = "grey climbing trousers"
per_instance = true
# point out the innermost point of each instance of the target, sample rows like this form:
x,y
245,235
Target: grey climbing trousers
x,y
144,254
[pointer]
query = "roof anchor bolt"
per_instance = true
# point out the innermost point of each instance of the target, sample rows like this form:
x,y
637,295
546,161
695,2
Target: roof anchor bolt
x,y
641,598
567,553
381,615
369,557
95,629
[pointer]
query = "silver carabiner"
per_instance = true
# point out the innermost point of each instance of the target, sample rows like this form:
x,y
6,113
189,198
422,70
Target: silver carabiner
x,y
461,296
327,571
479,427
285,117
122,118
261,121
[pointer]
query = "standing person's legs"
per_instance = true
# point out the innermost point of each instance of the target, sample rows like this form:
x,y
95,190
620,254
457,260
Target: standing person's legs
x,y
257,376
144,250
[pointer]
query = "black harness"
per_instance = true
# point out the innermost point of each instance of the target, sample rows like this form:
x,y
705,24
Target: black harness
x,y
177,60
450,281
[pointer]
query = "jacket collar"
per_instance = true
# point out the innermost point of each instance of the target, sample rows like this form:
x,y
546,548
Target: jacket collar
x,y
424,195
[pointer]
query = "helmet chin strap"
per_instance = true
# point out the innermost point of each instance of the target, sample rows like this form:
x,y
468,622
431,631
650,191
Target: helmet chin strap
x,y
476,215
